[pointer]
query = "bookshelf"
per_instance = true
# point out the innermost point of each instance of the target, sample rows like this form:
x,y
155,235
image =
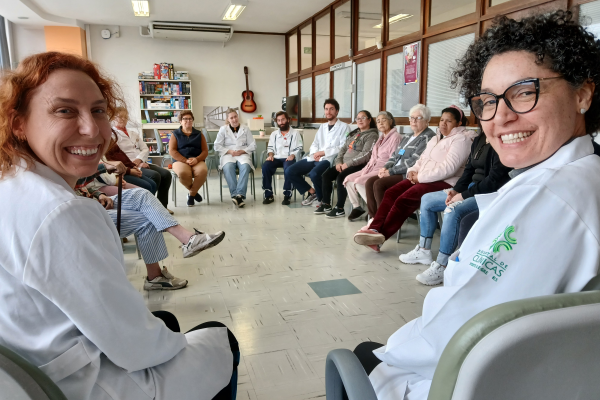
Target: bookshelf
x,y
161,102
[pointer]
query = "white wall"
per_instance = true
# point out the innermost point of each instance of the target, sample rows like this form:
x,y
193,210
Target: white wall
x,y
217,72
27,41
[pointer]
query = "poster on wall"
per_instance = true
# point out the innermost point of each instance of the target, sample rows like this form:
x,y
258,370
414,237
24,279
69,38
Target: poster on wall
x,y
411,61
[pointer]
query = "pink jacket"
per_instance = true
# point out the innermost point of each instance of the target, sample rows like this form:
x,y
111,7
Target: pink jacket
x,y
382,151
445,159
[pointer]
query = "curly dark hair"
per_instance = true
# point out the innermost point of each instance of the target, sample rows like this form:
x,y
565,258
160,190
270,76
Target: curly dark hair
x,y
557,41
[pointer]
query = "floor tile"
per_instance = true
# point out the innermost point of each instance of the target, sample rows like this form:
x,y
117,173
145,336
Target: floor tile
x,y
335,287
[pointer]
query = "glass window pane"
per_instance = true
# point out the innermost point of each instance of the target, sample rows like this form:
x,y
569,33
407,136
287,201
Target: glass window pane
x,y
293,88
306,98
306,46
442,56
342,30
405,17
589,16
445,10
321,94
293,47
368,86
323,38
342,91
496,2
370,19
399,98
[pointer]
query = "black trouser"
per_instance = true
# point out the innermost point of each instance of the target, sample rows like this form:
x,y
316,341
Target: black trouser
x,y
162,177
230,391
364,353
331,175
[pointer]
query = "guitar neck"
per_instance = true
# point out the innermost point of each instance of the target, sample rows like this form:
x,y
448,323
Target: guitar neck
x,y
247,88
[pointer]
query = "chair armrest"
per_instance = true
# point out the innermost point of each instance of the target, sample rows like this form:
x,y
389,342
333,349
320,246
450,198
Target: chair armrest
x,y
344,371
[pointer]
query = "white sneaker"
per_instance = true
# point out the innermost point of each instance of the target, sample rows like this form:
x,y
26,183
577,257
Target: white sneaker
x,y
200,242
434,275
417,256
166,281
317,203
310,198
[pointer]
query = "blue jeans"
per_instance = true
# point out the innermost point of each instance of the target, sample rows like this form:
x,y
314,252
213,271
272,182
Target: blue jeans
x,y
144,182
314,169
268,170
431,204
237,186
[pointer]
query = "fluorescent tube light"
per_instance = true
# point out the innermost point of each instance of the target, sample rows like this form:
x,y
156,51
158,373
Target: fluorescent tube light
x,y
234,9
141,8
395,18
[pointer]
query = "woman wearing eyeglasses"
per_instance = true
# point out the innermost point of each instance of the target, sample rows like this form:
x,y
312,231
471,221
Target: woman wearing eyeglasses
x,y
405,156
538,235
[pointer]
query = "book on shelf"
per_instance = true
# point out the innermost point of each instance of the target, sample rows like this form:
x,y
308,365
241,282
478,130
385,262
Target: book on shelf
x,y
165,88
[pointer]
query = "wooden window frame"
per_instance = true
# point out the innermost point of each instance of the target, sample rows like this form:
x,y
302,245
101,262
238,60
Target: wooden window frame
x,y
315,18
312,63
346,57
315,74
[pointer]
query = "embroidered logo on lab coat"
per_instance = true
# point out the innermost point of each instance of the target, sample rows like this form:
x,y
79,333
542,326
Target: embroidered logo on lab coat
x,y
488,262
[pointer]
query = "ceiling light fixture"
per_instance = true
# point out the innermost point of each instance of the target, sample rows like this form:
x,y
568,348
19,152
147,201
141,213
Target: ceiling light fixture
x,y
141,8
395,18
234,9
23,17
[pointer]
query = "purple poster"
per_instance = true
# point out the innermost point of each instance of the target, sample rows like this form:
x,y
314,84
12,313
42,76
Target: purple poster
x,y
411,57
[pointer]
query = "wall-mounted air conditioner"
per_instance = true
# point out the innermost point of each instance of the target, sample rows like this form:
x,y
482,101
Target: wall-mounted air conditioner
x,y
187,31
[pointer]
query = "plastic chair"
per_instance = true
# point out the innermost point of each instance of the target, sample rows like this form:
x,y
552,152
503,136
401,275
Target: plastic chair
x,y
538,348
176,178
213,158
237,172
20,380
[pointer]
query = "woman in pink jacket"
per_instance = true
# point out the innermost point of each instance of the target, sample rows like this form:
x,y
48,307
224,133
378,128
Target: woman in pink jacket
x,y
439,167
382,151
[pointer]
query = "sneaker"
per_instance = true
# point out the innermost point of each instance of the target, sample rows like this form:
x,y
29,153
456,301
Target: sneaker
x,y
200,242
368,237
356,213
163,282
310,198
323,209
336,213
170,212
198,198
375,247
268,200
190,201
238,201
286,201
434,275
417,256
317,203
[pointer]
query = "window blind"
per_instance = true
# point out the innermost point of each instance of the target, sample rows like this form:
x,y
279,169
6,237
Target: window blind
x,y
306,98
589,16
342,91
292,88
321,93
399,98
368,86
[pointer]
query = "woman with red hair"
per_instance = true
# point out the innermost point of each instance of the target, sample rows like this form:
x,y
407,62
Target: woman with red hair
x,y
66,304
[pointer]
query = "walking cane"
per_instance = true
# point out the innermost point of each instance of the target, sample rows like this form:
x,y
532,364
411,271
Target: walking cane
x,y
119,195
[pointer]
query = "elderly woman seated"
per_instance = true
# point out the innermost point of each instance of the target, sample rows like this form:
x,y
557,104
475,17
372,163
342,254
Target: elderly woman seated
x,y
538,235
438,168
68,307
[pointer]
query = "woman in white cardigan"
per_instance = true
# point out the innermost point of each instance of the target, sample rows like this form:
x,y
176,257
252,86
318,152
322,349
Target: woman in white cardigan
x,y
66,304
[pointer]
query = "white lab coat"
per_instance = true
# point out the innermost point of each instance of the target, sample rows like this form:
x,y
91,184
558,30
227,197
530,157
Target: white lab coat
x,y
67,307
228,140
132,145
329,141
284,146
554,212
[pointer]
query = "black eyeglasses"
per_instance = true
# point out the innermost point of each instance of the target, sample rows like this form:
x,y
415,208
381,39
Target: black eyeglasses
x,y
520,97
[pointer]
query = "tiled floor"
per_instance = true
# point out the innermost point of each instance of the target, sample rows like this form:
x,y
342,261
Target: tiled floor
x,y
256,282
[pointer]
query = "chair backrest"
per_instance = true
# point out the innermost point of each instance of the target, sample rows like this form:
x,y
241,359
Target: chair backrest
x,y
21,380
538,348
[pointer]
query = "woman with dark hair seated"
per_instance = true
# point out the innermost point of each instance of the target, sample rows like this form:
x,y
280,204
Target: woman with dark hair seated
x,y
66,304
533,84
353,156
438,168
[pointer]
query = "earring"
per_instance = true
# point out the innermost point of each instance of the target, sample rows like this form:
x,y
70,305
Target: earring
x,y
583,110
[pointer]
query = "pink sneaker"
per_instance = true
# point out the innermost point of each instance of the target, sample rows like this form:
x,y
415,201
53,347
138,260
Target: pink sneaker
x,y
375,247
368,237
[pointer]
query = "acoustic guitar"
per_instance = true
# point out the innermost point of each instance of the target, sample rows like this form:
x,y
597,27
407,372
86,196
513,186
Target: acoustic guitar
x,y
248,105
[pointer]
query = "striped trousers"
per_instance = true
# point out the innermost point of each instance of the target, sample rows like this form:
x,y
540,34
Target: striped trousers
x,y
145,217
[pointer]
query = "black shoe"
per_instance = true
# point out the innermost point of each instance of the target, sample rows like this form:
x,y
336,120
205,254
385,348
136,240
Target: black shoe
x,y
268,200
323,209
198,198
286,201
190,201
240,201
336,213
356,213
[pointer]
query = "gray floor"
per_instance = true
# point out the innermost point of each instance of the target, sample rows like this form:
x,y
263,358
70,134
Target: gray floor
x,y
257,282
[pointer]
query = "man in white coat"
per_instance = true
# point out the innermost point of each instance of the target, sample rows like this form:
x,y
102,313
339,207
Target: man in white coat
x,y
285,145
235,144
327,144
